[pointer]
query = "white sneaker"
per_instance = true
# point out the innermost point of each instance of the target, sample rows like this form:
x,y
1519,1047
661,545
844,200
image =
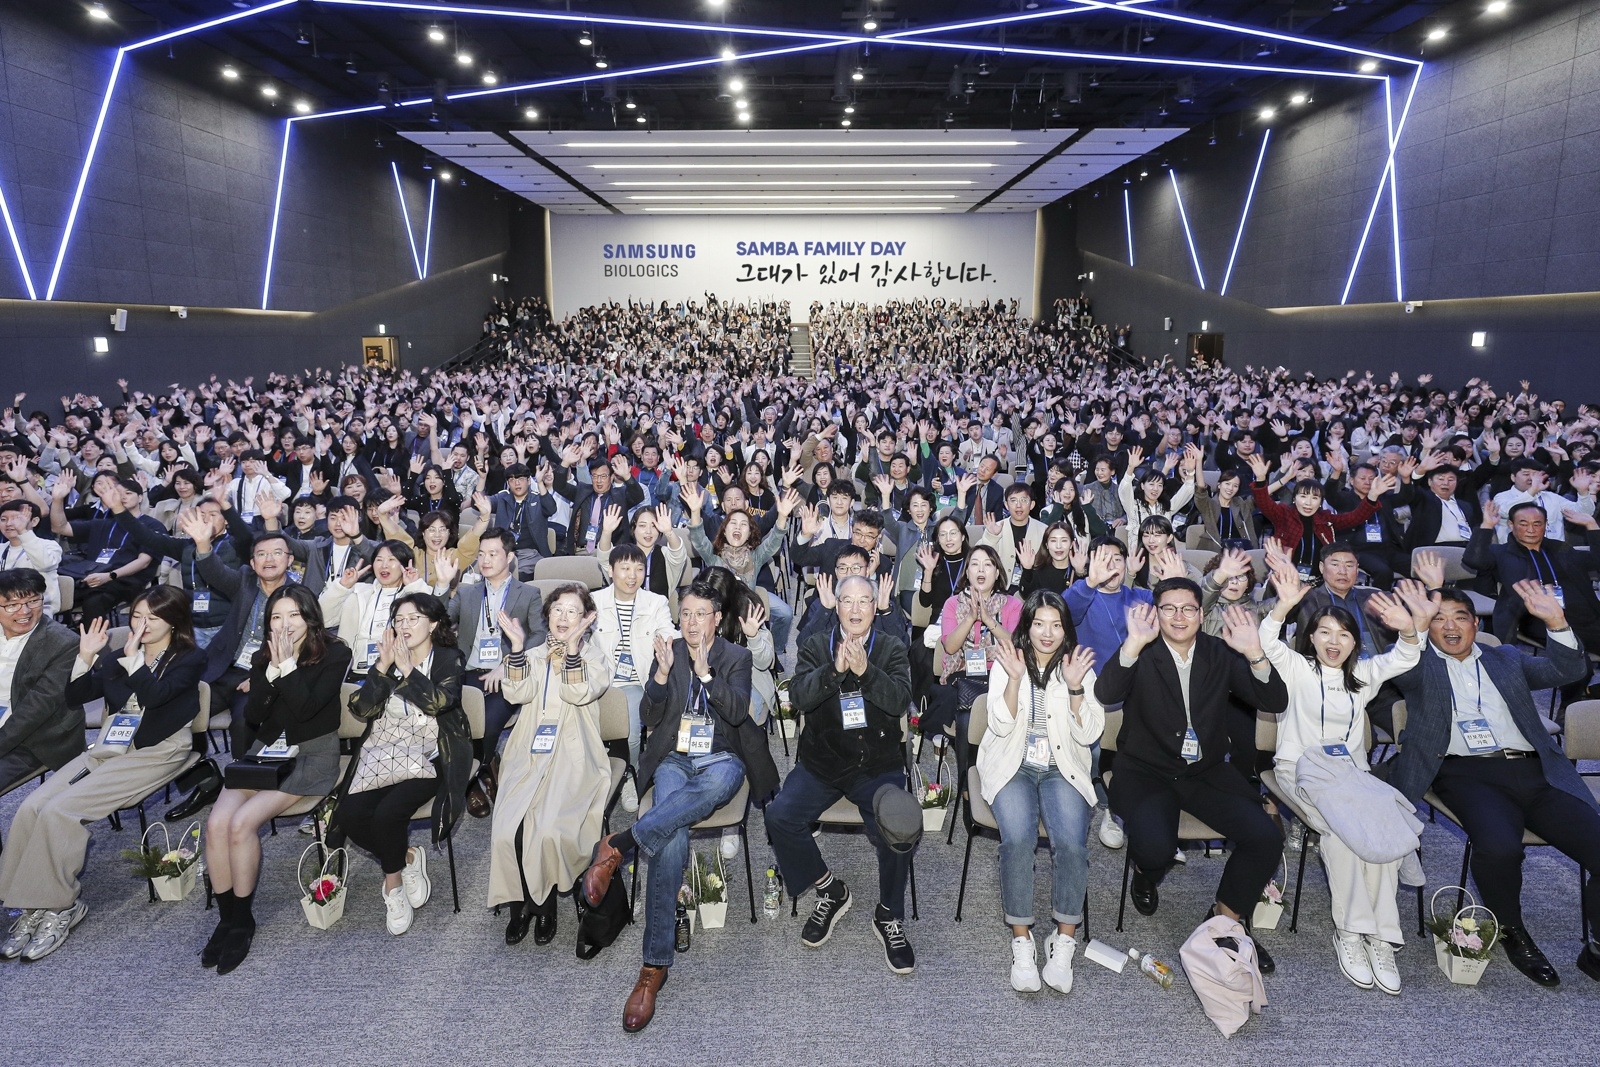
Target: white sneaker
x,y
1111,832
414,878
630,796
1180,857
1059,949
52,931
399,909
1380,954
1024,968
1352,954
730,842
22,931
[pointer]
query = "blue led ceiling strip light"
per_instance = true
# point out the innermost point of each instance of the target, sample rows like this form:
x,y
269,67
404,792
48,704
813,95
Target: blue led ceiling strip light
x,y
1244,214
427,237
277,203
405,214
1183,217
16,246
1383,182
1394,191
1127,214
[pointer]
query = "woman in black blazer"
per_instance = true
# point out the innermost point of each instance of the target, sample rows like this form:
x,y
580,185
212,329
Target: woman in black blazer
x,y
152,694
293,705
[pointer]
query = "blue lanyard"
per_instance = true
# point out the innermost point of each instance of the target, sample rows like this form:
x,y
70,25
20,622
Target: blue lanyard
x,y
833,637
1324,687
1538,575
1477,666
1116,620
959,572
702,705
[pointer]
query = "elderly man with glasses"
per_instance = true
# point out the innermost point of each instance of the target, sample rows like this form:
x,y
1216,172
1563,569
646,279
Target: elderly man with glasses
x,y
38,729
1174,683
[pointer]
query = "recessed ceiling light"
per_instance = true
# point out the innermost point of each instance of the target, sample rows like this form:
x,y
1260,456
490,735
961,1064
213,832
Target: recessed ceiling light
x,y
464,58
303,106
98,11
435,34
269,91
849,109
844,122
230,73
490,78
1267,113
736,85
585,39
444,175
1369,66
1298,98
1438,33
531,113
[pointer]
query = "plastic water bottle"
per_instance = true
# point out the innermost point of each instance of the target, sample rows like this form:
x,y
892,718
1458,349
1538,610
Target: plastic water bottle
x,y
773,896
1159,972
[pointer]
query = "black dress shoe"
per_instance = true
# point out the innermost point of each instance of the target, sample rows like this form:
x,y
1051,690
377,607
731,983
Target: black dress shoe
x,y
517,928
213,950
235,947
1146,897
1264,958
1589,961
204,793
1526,957
544,927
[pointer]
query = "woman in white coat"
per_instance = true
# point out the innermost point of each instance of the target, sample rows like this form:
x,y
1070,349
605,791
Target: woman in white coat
x,y
554,775
1034,763
359,610
1329,688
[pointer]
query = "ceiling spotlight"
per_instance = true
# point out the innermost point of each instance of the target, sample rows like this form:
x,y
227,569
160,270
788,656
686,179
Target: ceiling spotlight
x,y
849,109
530,113
1264,49
230,73
1144,173
736,85
870,25
844,122
435,34
600,61
1341,6
1149,35
303,106
1369,66
744,116
741,104
1031,5
490,78
99,12
971,88
641,119
1298,98
444,175
1267,114
1438,33
427,164
269,91
1163,113
728,54
350,65
302,39
464,59
1497,7
1094,81
630,105
857,75
585,39
983,68
1213,140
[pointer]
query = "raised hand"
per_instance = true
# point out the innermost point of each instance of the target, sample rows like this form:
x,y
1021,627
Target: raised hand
x,y
1241,631
352,575
693,498
443,563
927,556
1381,485
409,573
663,655
787,503
1235,563
1075,667
1286,580
1258,467
93,639
1135,559
1390,611
611,518
1491,515
825,591
1026,554
196,527
1011,660
810,521
1143,625
993,527
1541,603
1414,595
754,617
1428,567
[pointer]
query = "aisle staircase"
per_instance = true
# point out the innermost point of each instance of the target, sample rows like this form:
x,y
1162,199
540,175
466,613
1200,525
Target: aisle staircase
x,y
801,364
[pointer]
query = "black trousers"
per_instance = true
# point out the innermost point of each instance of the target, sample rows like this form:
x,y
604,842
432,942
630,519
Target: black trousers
x,y
1496,799
227,696
1378,562
379,820
99,602
1148,803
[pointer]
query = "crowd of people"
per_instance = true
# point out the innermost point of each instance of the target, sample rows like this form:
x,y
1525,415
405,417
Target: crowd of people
x,y
1120,565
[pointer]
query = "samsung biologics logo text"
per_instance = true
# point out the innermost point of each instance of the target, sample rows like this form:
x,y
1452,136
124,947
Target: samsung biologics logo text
x,y
652,254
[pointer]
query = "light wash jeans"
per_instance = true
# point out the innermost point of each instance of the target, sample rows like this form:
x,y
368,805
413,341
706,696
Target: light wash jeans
x,y
1033,794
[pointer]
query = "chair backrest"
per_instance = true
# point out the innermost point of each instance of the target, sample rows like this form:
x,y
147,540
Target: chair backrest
x,y
1258,563
1398,714
350,727
118,638
1487,640
1582,740
202,721
469,519
582,569
1266,732
1005,480
613,715
67,587
1198,558
975,534
472,704
979,723
1108,738
548,586
1211,478
1451,555
1192,535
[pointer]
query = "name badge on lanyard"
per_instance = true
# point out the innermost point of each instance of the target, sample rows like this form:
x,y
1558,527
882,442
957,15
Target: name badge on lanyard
x,y
1461,528
369,655
201,601
1038,751
544,737
1478,736
1191,746
977,663
1555,591
105,556
1374,531
279,749
123,727
489,650
1016,573
246,651
592,536
1338,750
694,734
853,706
624,667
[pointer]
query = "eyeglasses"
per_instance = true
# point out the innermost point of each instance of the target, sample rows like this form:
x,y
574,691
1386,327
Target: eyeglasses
x,y
699,616
1172,611
409,620
17,607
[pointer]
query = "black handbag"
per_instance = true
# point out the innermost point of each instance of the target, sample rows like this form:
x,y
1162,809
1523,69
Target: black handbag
x,y
253,772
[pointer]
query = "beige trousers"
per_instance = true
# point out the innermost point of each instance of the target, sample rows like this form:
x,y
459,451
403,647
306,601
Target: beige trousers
x,y
49,836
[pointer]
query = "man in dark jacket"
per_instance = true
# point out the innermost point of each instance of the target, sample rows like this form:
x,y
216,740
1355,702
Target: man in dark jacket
x,y
231,540
610,484
702,746
851,687
1174,683
38,728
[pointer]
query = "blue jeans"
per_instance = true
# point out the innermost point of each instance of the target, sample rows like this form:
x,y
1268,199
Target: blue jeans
x,y
204,634
683,796
635,694
1033,794
782,622
803,798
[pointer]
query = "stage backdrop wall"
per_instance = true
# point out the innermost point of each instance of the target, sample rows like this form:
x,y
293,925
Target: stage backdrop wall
x,y
800,259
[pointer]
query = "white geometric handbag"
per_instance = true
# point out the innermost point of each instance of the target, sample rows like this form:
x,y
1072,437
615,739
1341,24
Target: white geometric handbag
x,y
399,748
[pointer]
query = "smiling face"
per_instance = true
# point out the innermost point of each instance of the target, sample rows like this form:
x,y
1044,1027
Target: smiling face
x,y
949,536
737,529
1307,502
1179,615
437,535
982,573
1454,629
156,629
1332,642
566,616
857,606
627,576
387,569
1046,633
270,560
286,618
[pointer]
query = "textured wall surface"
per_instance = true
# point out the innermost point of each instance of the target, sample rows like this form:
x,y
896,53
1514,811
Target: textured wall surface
x,y
1499,168
179,203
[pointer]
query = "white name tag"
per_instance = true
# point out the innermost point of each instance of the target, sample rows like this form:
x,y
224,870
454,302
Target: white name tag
x,y
200,602
694,735
853,706
1191,746
246,651
977,663
369,655
544,737
1038,751
121,730
279,749
1016,574
489,650
1478,735
1461,528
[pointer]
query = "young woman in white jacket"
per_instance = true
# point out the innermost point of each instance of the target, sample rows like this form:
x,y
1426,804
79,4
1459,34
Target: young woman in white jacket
x,y
1328,693
1033,763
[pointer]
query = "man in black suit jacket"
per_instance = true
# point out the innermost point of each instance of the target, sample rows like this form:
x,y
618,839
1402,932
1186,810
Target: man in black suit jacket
x,y
702,746
610,485
1446,512
38,728
1175,683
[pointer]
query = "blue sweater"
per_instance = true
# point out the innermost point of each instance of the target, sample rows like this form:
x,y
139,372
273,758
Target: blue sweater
x,y
1100,619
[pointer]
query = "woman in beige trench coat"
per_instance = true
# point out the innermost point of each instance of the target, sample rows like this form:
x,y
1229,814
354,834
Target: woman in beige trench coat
x,y
553,770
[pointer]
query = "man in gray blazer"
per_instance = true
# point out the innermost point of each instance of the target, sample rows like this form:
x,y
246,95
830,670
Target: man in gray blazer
x,y
475,608
1473,736
38,728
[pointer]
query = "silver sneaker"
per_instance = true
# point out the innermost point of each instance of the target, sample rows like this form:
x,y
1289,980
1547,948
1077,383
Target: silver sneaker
x,y
53,930
21,933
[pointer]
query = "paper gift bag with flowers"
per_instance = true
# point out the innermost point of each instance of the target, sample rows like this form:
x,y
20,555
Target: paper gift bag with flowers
x,y
322,895
172,870
1269,908
1462,941
934,797
710,885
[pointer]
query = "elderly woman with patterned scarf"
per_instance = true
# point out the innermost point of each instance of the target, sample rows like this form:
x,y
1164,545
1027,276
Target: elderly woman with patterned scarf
x,y
732,548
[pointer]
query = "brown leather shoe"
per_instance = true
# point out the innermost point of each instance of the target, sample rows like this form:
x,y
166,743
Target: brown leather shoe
x,y
641,1006
478,803
491,779
604,864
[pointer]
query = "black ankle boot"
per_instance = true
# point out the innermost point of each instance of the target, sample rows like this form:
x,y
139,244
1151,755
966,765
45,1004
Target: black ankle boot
x,y
236,944
213,949
517,927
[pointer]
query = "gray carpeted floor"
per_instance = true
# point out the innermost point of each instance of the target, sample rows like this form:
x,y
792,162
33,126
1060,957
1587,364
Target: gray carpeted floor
x,y
127,986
